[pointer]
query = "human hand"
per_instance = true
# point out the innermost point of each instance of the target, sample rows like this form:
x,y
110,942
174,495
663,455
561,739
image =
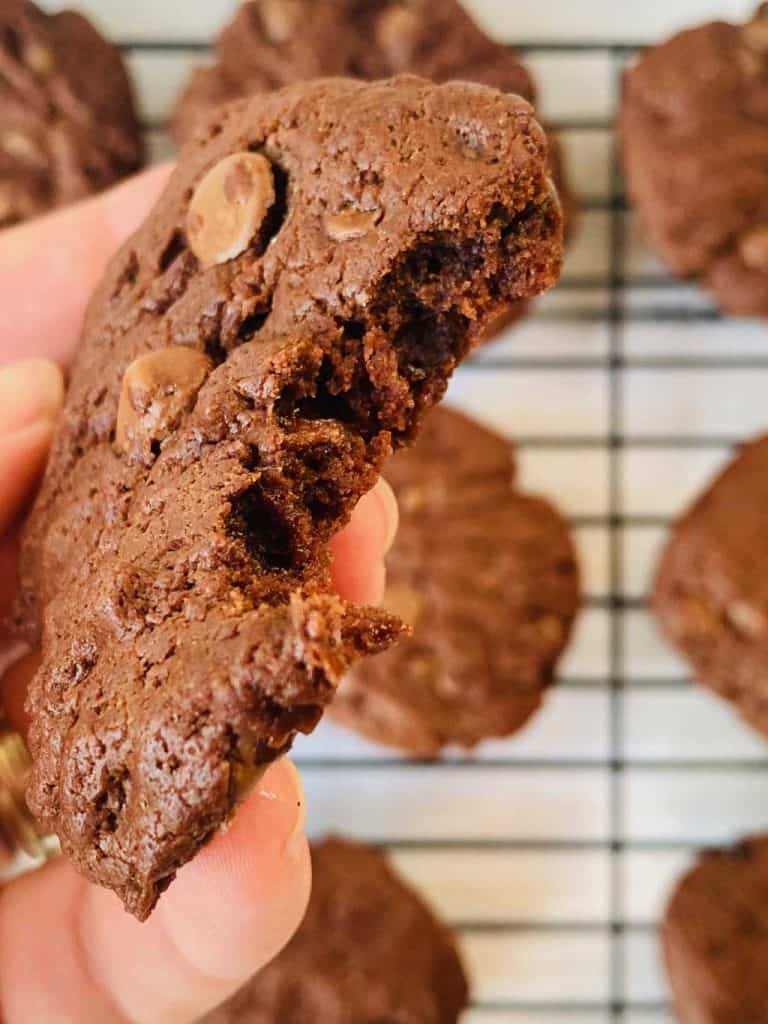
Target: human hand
x,y
68,951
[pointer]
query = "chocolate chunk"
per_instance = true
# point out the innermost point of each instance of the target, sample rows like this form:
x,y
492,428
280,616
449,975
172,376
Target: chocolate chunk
x,y
711,594
486,576
181,589
369,951
68,122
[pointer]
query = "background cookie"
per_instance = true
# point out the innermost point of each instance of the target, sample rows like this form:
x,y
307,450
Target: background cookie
x,y
694,125
369,950
68,126
271,43
711,593
487,577
715,936
297,299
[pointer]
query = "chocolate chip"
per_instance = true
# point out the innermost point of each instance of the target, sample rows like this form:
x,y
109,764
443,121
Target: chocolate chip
x,y
39,58
229,206
281,18
404,602
157,389
756,31
19,145
350,223
753,248
397,33
746,618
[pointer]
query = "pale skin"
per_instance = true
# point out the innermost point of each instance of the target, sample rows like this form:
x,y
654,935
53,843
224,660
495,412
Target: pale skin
x,y
68,951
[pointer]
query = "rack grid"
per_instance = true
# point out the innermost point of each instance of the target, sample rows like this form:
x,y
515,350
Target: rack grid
x,y
551,853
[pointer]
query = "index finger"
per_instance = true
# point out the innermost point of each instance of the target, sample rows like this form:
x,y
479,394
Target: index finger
x,y
49,267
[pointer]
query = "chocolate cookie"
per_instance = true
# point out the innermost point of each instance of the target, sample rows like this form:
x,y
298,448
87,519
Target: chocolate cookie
x,y
68,125
317,266
271,43
487,577
715,937
694,124
369,950
711,593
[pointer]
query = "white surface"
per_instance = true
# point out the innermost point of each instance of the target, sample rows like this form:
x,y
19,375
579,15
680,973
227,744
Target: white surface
x,y
514,847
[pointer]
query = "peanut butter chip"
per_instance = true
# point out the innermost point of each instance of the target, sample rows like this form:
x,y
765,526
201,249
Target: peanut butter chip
x,y
157,390
397,33
349,224
746,618
39,58
756,33
229,206
20,146
281,18
405,603
754,248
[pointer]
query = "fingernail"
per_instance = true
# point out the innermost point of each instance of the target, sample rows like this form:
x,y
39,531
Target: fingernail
x,y
390,511
296,841
31,392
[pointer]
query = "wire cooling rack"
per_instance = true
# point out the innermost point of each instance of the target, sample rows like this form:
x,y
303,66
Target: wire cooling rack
x,y
551,854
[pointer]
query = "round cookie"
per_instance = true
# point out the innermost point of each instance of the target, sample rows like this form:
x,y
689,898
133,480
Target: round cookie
x,y
694,125
488,579
271,43
68,126
369,950
711,591
715,937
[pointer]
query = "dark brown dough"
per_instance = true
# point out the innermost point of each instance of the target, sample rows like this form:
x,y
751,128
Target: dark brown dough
x,y
328,252
68,124
488,579
369,951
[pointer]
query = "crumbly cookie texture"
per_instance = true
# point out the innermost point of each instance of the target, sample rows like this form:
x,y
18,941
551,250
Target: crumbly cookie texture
x,y
68,125
487,578
715,937
369,950
711,593
694,127
175,566
272,43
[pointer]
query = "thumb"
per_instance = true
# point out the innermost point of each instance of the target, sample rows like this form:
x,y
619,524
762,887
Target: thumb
x,y
31,395
70,953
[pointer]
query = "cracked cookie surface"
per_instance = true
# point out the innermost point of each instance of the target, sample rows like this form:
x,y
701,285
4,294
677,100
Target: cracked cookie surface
x,y
175,567
694,123
68,125
487,578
